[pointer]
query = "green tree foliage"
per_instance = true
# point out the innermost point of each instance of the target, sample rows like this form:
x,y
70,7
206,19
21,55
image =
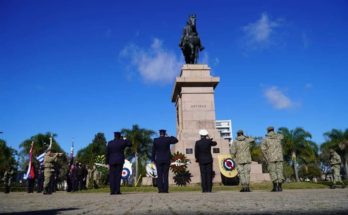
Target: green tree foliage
x,y
89,154
337,140
298,148
142,141
7,157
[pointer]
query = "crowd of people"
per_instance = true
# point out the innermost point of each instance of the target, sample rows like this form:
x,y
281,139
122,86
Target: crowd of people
x,y
46,176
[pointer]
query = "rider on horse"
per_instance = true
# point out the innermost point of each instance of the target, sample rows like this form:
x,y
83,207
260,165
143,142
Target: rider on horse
x,y
190,42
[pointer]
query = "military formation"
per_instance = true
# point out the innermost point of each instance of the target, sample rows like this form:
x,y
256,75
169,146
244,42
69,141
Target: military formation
x,y
271,148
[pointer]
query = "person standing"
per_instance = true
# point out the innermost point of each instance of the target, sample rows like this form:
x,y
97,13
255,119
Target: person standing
x,y
161,158
273,152
31,179
115,159
8,176
205,159
240,151
335,162
49,162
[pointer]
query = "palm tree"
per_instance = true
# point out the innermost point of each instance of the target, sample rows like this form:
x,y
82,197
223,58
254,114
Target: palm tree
x,y
337,140
294,143
7,156
88,154
141,146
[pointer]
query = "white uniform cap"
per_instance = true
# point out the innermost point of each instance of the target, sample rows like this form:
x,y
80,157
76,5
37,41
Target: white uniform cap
x,y
203,132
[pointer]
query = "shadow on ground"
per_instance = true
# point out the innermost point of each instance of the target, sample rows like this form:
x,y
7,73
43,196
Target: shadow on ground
x,y
51,211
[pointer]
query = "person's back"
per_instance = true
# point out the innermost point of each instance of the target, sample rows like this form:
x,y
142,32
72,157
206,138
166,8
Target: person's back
x,y
272,148
161,148
115,151
203,150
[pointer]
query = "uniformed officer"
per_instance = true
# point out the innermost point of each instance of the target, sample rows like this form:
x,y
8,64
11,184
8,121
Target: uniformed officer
x,y
115,159
273,152
335,162
49,162
240,151
8,175
205,159
161,157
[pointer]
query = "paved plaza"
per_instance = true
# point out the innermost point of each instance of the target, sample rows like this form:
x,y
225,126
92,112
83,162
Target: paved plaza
x,y
321,201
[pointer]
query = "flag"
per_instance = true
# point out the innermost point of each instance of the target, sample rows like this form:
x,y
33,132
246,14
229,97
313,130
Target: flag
x,y
41,158
72,150
30,173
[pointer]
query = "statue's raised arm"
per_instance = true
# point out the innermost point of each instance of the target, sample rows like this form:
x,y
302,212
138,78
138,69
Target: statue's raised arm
x,y
190,42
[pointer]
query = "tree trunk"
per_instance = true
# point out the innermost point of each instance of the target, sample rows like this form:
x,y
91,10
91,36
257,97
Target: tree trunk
x,y
294,163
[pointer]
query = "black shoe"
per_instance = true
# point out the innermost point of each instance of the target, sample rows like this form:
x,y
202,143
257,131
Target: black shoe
x,y
247,189
274,187
280,189
242,190
333,186
118,193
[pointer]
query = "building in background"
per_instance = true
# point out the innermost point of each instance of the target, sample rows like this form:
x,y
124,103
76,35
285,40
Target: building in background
x,y
225,129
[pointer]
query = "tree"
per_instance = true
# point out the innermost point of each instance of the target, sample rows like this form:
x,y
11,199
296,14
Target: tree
x,y
89,154
297,146
337,140
7,156
141,146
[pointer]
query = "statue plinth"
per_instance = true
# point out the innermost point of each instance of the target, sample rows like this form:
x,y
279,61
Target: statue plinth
x,y
193,96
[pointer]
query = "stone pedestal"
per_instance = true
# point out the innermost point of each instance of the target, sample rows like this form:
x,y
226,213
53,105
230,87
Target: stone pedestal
x,y
193,96
256,174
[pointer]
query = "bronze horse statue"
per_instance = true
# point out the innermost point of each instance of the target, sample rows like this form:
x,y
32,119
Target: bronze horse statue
x,y
190,42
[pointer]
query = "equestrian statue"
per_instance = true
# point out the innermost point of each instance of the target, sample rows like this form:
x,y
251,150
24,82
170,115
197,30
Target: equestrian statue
x,y
190,42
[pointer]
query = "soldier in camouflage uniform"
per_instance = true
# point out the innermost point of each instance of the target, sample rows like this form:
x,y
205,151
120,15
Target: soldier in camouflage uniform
x,y
272,150
240,152
335,162
49,161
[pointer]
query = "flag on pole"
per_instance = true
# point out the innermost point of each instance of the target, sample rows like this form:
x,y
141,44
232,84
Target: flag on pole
x,y
30,173
41,158
72,150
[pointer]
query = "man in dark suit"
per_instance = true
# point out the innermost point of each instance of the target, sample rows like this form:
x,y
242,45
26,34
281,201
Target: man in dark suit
x,y
115,159
205,159
161,157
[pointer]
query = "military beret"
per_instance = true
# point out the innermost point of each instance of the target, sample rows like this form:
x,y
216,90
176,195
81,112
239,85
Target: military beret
x,y
270,128
162,131
240,132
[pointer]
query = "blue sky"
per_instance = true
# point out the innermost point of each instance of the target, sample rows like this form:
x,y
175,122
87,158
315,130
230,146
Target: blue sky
x,y
76,68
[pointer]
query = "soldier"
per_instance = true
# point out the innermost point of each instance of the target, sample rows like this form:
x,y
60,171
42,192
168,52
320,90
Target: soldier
x,y
40,178
50,159
161,157
335,162
8,175
115,159
205,159
240,151
272,150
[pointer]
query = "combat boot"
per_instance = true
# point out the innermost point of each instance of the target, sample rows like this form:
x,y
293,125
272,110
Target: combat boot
x,y
243,188
275,189
247,188
280,189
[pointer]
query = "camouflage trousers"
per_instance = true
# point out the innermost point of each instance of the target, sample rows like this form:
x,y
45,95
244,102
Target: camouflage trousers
x,y
336,173
48,178
244,173
276,171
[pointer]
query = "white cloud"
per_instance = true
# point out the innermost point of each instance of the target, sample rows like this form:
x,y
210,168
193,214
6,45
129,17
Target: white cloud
x,y
277,98
155,64
259,32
